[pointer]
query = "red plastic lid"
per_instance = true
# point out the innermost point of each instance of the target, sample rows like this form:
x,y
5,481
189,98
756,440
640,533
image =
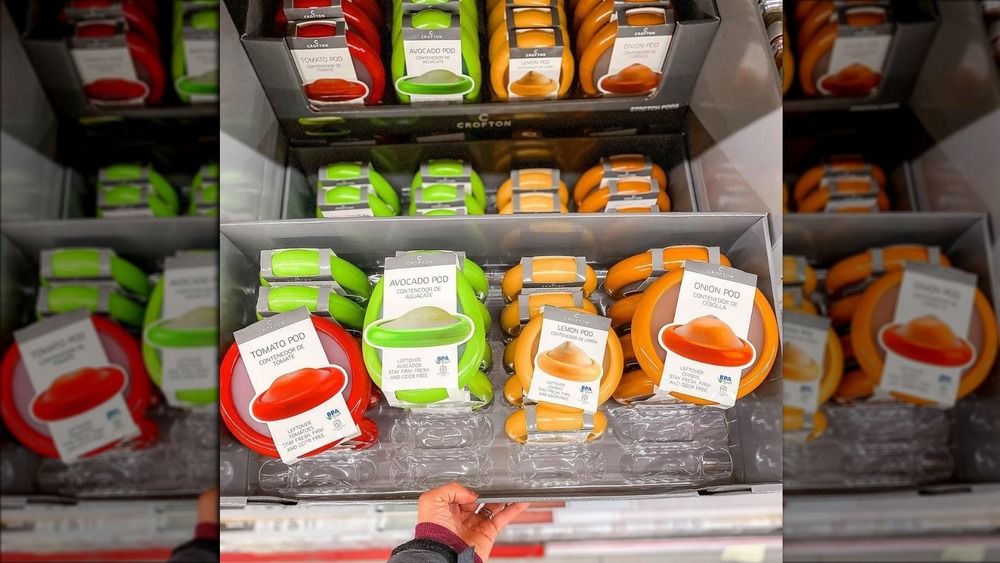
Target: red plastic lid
x,y
356,22
364,52
17,392
297,392
236,392
708,340
147,62
77,392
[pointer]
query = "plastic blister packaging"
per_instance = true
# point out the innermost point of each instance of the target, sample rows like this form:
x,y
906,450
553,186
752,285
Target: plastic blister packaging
x,y
325,473
443,430
541,465
657,424
889,422
424,469
688,463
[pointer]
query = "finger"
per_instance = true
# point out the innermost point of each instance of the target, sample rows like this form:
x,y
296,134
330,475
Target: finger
x,y
493,507
506,515
452,493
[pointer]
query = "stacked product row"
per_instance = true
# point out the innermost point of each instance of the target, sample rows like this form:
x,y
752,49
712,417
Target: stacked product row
x,y
534,50
620,183
682,316
843,184
83,357
116,47
853,342
136,190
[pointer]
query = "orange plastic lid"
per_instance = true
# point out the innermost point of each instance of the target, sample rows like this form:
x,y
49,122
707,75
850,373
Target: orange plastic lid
x,y
622,278
928,339
621,312
598,199
860,267
548,270
621,163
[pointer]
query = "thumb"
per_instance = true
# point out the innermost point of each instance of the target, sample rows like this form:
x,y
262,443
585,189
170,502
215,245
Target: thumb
x,y
453,493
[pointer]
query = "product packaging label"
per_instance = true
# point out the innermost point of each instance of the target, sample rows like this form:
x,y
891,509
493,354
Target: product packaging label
x,y
424,207
715,303
421,332
328,10
462,180
570,359
618,199
804,360
524,300
548,200
322,278
124,197
518,184
856,61
63,355
201,57
534,72
209,183
105,66
360,208
926,345
434,65
321,307
281,345
529,285
609,173
637,58
326,67
188,325
842,186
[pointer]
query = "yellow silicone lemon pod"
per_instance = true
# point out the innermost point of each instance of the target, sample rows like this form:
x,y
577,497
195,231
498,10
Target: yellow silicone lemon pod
x,y
554,270
548,420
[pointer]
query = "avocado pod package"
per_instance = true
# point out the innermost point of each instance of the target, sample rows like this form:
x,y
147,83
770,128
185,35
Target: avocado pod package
x,y
195,58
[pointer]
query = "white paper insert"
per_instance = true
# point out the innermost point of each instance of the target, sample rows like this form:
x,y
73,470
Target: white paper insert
x,y
858,45
282,344
723,292
190,287
808,334
325,58
634,45
410,282
105,59
587,332
929,290
61,345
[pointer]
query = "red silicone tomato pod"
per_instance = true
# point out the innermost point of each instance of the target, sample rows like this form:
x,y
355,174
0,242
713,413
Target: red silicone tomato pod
x,y
77,392
366,62
297,392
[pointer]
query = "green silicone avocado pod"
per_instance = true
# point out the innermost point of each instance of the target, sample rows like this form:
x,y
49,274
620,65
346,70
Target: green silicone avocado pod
x,y
470,62
65,298
352,170
451,168
471,352
206,83
420,328
163,202
304,263
84,263
284,298
345,195
480,387
445,193
207,192
196,329
467,13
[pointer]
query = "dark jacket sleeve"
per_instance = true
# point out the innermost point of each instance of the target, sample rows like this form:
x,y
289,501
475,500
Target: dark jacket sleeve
x,y
434,544
202,549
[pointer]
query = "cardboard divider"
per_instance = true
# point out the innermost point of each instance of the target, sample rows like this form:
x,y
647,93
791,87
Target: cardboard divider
x,y
964,238
497,243
274,67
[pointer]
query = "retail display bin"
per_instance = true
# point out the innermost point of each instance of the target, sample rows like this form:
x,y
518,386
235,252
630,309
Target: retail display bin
x,y
732,450
913,34
698,21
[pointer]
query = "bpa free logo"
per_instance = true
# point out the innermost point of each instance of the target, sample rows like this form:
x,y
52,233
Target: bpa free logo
x,y
331,414
725,379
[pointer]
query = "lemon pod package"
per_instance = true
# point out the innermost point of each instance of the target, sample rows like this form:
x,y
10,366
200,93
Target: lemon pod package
x,y
424,338
536,274
100,383
195,58
133,190
919,346
532,64
813,362
293,370
725,331
314,266
180,335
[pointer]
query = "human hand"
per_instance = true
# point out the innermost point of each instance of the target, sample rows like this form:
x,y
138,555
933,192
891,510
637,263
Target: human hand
x,y
208,507
452,506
